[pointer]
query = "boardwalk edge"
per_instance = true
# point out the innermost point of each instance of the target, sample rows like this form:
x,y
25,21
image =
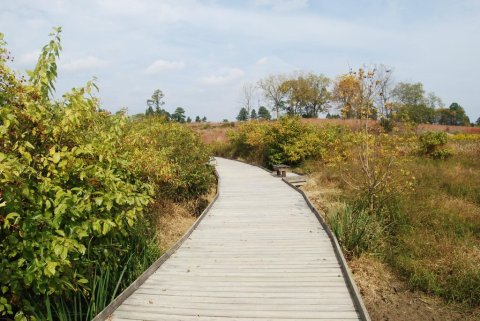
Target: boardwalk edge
x,y
352,287
109,309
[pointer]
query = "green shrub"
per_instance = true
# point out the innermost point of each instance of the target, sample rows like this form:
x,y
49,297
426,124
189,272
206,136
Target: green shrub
x,y
387,124
170,156
292,142
433,144
250,141
67,197
287,141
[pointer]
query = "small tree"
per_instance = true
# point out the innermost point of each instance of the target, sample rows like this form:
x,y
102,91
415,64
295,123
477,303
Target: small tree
x,y
243,114
253,114
263,113
179,115
377,174
477,123
247,96
156,101
197,119
272,92
189,120
204,119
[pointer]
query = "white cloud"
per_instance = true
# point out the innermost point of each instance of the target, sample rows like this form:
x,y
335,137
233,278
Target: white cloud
x,y
161,65
225,76
282,5
262,61
86,63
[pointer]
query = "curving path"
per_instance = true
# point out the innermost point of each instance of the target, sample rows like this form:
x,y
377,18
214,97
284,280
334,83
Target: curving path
x,y
258,254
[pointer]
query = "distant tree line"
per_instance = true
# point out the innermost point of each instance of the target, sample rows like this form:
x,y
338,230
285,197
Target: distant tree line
x,y
155,108
309,94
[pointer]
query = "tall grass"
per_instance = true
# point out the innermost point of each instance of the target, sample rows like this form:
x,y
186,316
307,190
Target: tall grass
x,y
355,229
107,282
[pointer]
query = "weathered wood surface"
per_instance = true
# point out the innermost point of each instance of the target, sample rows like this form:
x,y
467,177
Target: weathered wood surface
x,y
253,257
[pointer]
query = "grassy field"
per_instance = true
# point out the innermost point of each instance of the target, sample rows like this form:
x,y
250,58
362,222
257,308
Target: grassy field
x,y
436,246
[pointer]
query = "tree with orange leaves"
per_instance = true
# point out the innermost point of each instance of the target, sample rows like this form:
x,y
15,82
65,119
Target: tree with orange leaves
x,y
346,92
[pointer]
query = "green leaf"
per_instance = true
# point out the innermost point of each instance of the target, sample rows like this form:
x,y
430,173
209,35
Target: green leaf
x,y
50,269
82,281
56,158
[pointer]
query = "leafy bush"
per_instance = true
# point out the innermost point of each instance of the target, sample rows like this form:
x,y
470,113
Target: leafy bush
x,y
67,196
250,141
292,142
432,144
170,156
287,141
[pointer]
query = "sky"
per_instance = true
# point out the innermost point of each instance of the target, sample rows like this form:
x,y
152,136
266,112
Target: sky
x,y
200,53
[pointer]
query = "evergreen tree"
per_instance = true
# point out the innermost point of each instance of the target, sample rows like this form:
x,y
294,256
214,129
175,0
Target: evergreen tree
x,y
189,120
149,111
243,114
204,119
253,114
263,113
197,119
156,101
155,104
179,115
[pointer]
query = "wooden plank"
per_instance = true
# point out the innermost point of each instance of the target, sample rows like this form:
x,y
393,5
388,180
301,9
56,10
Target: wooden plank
x,y
186,295
146,298
153,313
255,306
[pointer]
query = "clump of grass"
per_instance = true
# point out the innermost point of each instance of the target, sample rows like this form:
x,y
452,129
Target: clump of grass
x,y
356,230
105,285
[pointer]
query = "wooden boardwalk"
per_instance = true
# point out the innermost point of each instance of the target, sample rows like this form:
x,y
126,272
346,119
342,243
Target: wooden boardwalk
x,y
258,254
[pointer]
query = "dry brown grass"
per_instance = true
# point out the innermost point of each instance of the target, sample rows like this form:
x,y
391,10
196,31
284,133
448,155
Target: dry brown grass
x,y
211,132
354,124
322,191
173,221
449,129
388,297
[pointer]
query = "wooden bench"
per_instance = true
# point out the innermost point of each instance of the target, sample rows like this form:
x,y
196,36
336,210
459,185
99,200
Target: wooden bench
x,y
281,170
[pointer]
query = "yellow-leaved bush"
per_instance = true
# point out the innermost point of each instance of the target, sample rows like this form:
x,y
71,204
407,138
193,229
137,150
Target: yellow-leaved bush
x,y
288,141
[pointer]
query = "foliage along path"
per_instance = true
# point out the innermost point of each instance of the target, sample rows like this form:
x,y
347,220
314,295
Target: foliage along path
x,y
258,254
